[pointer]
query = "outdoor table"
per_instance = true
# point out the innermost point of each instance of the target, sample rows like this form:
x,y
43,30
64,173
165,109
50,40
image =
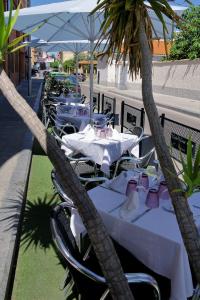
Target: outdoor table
x,y
75,113
103,151
154,238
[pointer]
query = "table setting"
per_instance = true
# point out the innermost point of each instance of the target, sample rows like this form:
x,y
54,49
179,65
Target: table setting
x,y
78,115
103,145
136,209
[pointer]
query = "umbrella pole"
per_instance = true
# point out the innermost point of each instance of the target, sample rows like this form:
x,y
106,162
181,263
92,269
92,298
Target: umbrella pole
x,y
76,53
92,24
29,72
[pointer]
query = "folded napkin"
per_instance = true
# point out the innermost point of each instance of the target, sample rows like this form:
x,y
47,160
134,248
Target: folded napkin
x,y
89,133
115,134
86,129
130,207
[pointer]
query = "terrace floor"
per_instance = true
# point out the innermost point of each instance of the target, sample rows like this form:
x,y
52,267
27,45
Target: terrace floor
x,y
39,272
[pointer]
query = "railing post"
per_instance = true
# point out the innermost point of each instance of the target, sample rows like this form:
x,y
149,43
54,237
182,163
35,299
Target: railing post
x,y
142,118
114,111
122,116
98,103
162,120
102,103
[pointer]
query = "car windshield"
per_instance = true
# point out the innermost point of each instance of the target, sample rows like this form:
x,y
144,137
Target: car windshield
x,y
72,79
60,77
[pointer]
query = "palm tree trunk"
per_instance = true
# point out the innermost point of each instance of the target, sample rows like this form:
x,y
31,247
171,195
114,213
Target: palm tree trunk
x,y
101,242
184,216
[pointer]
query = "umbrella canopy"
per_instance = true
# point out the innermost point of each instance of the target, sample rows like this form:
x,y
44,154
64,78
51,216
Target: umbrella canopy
x,y
66,20
73,46
70,20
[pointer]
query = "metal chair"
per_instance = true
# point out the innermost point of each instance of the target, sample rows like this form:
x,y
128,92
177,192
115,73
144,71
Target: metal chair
x,y
82,165
58,132
136,130
130,161
58,188
90,285
85,180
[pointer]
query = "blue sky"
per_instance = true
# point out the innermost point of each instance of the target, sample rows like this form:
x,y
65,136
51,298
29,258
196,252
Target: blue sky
x,y
39,2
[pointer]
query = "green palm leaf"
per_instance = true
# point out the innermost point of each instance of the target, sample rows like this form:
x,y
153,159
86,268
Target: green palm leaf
x,y
6,29
121,27
2,24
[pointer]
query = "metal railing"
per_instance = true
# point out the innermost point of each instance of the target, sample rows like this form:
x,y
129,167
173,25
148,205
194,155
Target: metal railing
x,y
108,105
177,135
96,102
131,116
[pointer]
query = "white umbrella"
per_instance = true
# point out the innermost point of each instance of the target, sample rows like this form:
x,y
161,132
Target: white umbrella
x,y
71,20
63,21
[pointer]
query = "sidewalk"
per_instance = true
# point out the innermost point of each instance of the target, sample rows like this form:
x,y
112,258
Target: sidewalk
x,y
15,158
182,105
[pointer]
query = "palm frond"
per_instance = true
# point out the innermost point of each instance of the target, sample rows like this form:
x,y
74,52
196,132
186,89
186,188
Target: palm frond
x,y
121,26
6,30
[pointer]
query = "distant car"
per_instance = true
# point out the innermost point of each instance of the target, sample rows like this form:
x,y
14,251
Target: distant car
x,y
81,76
61,76
74,82
58,75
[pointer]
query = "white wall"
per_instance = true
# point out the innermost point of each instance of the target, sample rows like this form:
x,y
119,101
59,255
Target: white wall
x,y
178,78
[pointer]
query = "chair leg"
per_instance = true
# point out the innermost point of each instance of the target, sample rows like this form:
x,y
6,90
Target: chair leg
x,y
116,168
104,294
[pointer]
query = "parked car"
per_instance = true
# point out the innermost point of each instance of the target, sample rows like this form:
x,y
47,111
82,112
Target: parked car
x,y
70,80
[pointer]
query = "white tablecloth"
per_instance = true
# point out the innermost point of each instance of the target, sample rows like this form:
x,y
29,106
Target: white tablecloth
x,y
154,238
102,151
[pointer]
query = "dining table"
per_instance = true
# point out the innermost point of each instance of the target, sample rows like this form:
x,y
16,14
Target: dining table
x,y
152,235
103,150
77,114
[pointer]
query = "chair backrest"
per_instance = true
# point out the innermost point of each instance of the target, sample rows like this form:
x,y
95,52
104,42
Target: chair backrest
x,y
58,187
58,132
90,285
136,130
144,160
87,282
145,146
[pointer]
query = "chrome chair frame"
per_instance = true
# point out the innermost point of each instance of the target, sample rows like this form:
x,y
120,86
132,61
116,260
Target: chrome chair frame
x,y
65,252
136,130
137,161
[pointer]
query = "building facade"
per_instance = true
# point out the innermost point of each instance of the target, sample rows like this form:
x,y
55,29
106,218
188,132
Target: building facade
x,y
16,64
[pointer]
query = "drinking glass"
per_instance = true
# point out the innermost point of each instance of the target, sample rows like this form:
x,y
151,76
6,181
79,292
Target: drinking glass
x,y
165,195
152,200
103,134
144,180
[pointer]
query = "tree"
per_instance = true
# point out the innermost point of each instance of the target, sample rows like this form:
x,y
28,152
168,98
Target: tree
x,y
186,43
100,239
55,64
127,25
68,64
